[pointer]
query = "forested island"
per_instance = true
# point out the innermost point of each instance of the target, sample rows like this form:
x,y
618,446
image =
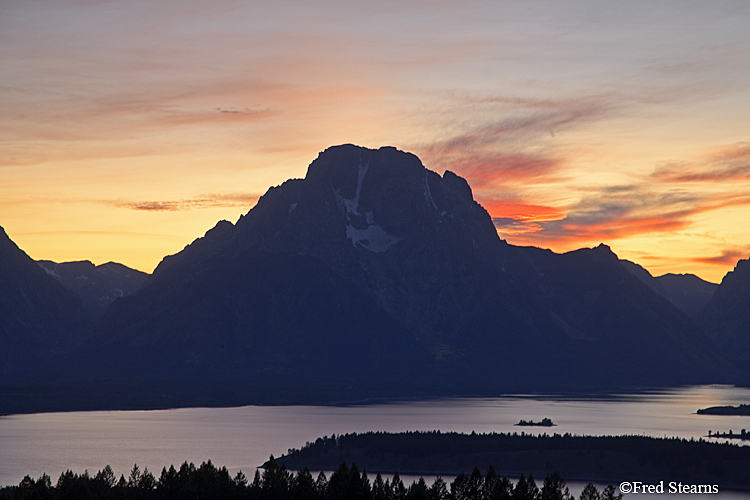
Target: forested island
x,y
743,410
545,422
277,483
479,463
583,458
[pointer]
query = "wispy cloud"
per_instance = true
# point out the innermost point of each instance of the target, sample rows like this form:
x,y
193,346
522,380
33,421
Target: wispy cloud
x,y
514,150
665,202
515,218
542,109
615,212
208,201
618,212
517,146
731,163
154,206
727,257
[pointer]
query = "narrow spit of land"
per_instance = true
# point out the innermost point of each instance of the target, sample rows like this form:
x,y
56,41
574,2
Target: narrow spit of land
x,y
584,458
742,436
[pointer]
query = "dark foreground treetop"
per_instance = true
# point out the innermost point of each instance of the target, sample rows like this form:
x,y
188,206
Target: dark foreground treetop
x,y
276,483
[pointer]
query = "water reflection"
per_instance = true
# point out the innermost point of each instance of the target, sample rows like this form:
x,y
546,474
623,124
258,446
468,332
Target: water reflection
x,y
243,438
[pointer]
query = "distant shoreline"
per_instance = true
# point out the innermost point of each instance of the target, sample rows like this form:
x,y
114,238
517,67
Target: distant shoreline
x,y
24,398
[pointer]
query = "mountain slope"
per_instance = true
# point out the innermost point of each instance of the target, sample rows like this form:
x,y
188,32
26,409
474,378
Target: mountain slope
x,y
727,316
39,319
687,292
388,258
621,328
376,274
96,286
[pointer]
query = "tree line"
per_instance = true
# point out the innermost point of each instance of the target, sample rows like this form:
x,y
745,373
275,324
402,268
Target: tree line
x,y
277,483
607,458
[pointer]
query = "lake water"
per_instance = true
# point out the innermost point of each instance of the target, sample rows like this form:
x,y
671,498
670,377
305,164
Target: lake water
x,y
243,438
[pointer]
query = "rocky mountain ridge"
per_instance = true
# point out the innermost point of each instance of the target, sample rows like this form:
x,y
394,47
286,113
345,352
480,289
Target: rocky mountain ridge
x,y
39,319
726,317
687,292
375,277
96,286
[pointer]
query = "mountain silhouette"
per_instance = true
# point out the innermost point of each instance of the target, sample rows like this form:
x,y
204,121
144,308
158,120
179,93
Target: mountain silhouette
x,y
375,270
96,286
39,319
726,317
687,292
376,277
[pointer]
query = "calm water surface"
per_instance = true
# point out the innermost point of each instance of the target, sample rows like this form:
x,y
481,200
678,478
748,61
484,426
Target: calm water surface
x,y
243,438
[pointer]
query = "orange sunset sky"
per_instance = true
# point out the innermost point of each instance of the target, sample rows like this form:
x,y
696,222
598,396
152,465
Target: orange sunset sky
x,y
129,128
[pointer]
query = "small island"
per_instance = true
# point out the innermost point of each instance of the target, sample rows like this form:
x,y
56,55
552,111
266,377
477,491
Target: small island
x,y
545,422
743,410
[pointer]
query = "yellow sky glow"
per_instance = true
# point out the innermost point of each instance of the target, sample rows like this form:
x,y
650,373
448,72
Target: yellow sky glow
x,y
127,129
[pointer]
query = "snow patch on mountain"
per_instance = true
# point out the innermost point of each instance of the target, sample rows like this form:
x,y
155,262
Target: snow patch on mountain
x,y
428,194
352,206
373,238
51,272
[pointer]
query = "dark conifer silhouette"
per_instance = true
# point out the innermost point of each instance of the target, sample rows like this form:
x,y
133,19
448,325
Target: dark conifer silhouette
x,y
276,483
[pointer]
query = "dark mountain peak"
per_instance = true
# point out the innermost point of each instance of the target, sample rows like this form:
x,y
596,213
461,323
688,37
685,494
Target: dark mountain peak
x,y
117,268
6,244
601,254
87,267
373,266
365,200
458,185
384,193
372,275
206,246
71,267
374,229
222,227
605,251
343,165
686,277
349,169
38,317
735,285
739,276
658,282
727,315
354,202
96,286
687,292
640,272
